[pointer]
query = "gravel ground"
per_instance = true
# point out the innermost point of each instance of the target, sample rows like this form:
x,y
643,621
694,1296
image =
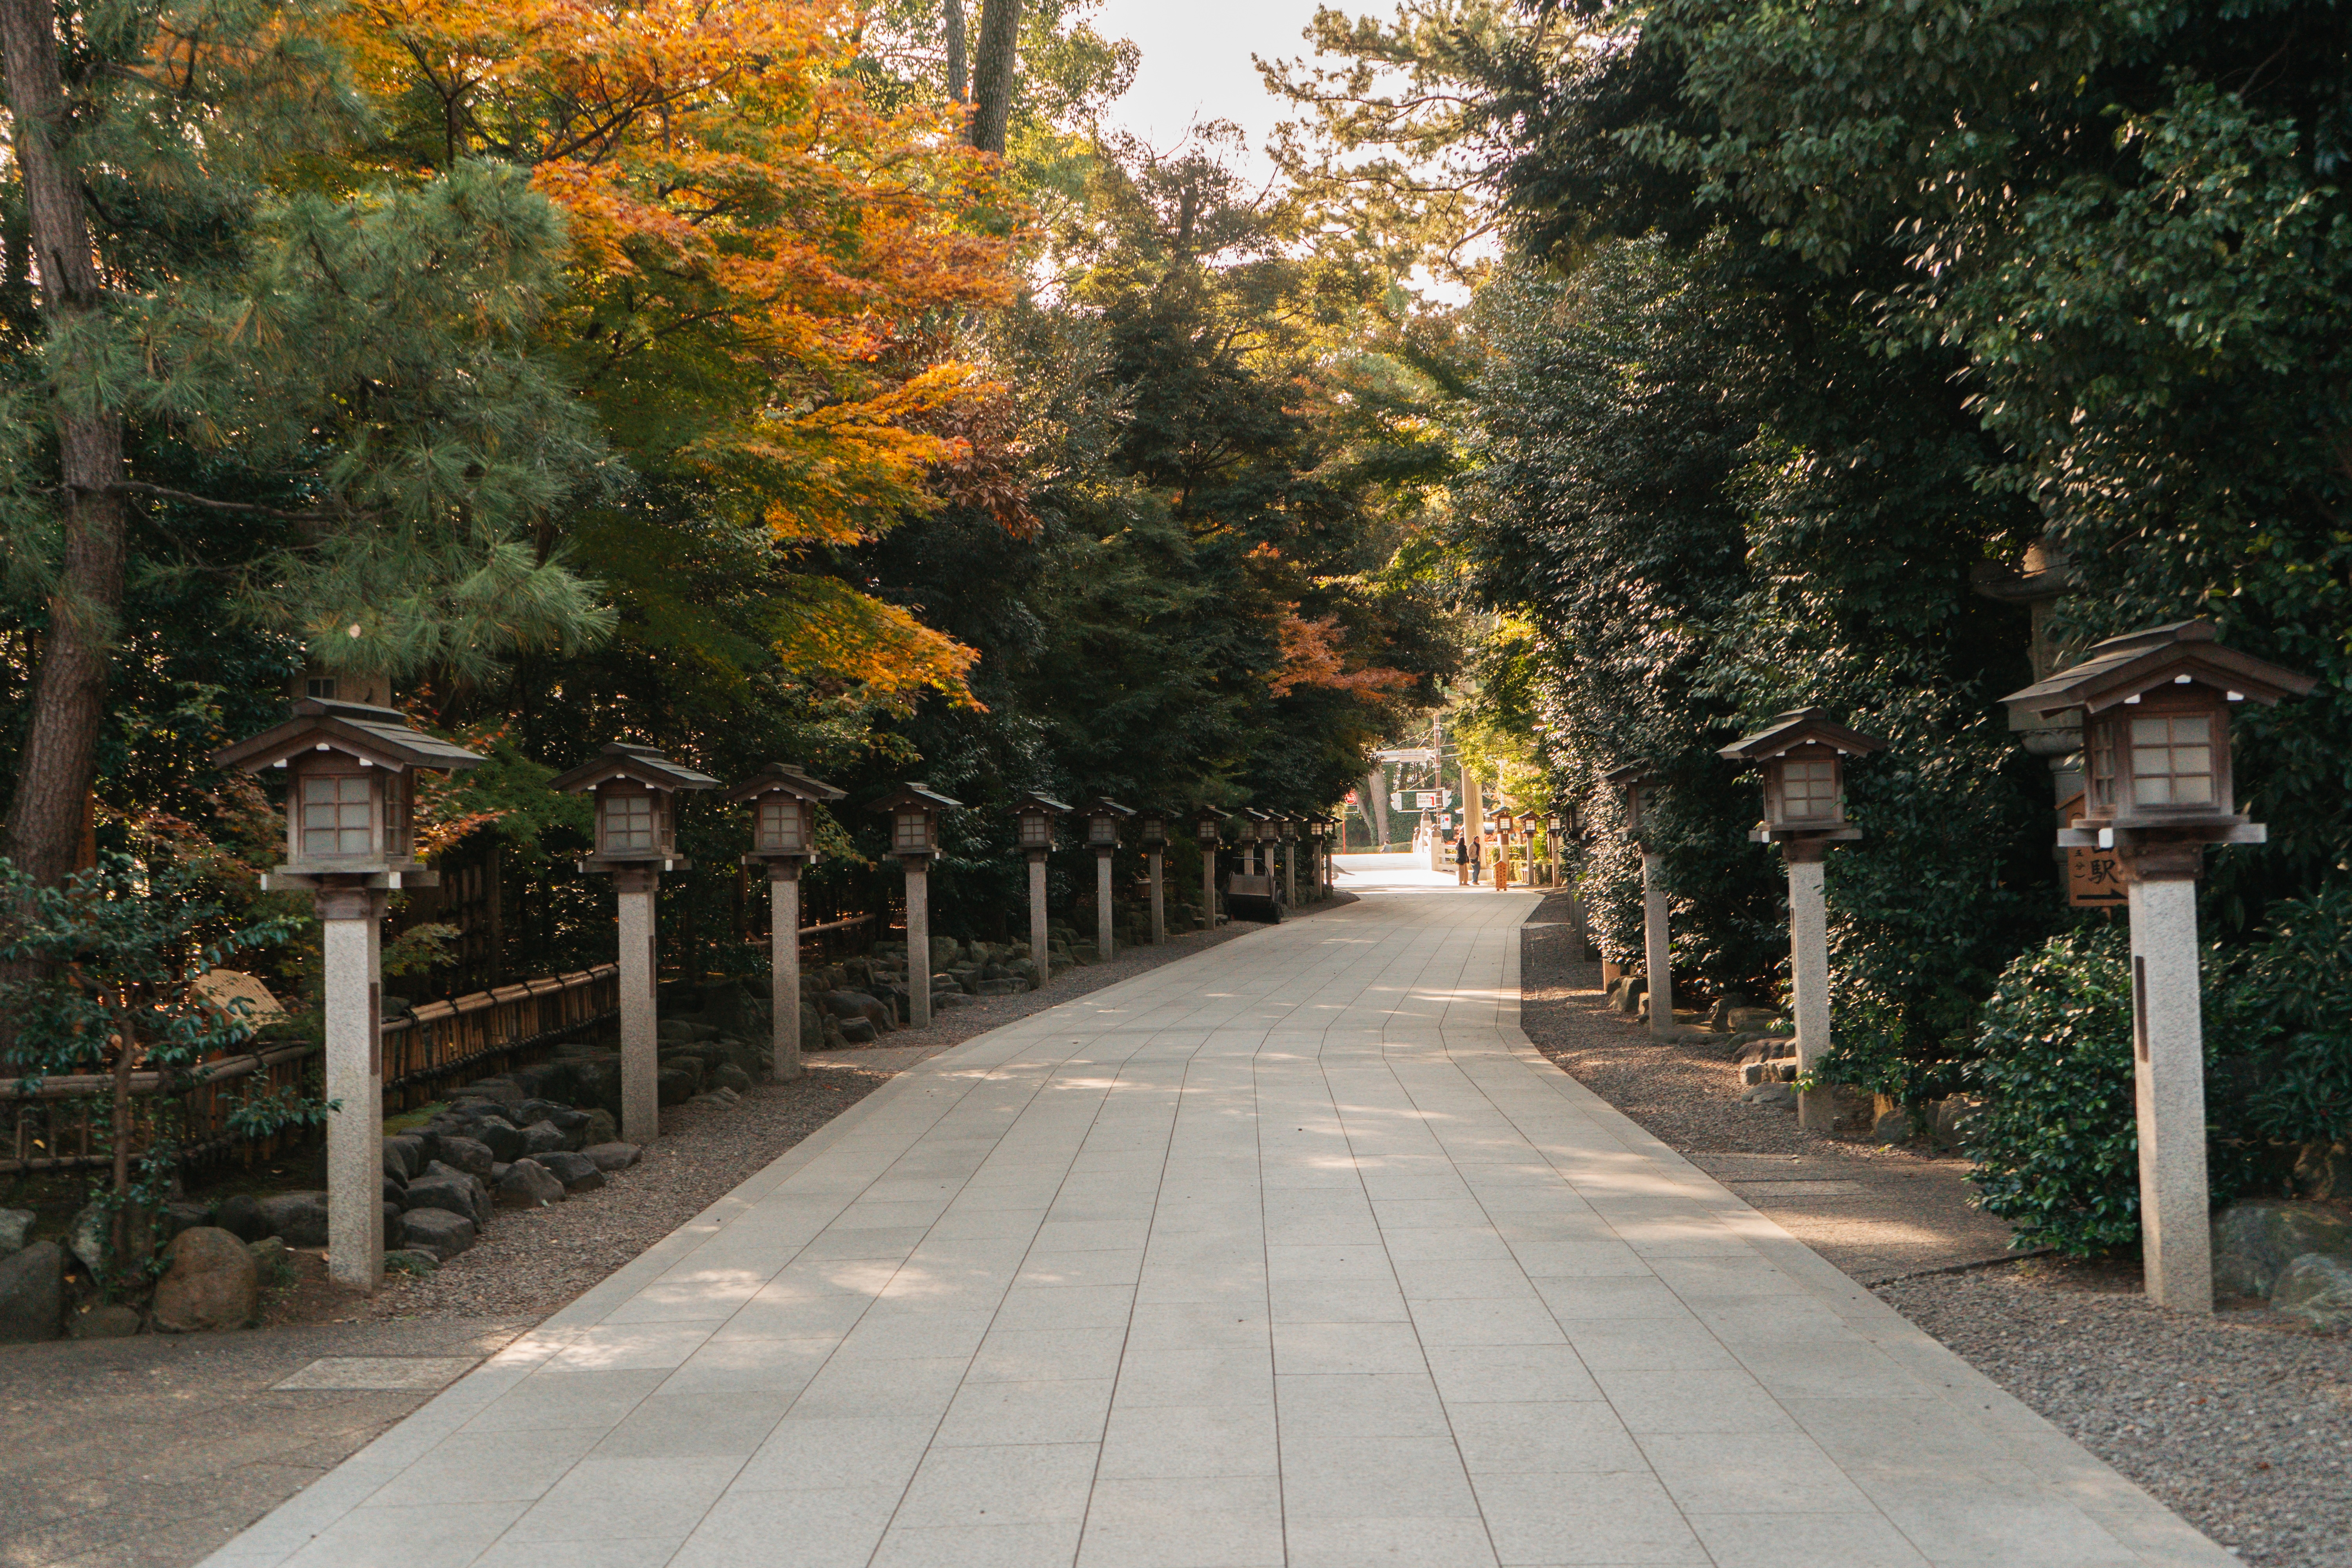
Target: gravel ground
x,y
531,1262
2241,1422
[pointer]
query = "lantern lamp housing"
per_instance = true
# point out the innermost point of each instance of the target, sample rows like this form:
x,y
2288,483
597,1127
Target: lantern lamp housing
x,y
2156,717
1034,815
1152,830
349,791
914,811
783,802
1206,823
635,789
1102,817
1802,756
1634,784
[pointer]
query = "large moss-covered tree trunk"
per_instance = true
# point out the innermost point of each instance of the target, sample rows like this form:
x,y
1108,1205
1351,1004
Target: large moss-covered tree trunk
x,y
68,694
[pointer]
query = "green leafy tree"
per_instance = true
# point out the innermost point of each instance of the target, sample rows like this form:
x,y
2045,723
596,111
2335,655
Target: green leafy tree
x,y
194,318
116,953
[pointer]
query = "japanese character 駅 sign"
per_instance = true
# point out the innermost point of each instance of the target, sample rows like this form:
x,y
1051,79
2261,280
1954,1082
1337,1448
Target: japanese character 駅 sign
x,y
2093,876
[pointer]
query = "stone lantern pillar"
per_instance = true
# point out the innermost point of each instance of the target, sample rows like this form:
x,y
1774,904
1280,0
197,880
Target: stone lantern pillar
x,y
1205,825
2154,708
1801,756
1288,826
1637,788
1036,813
349,771
914,811
1151,828
783,802
1103,816
636,791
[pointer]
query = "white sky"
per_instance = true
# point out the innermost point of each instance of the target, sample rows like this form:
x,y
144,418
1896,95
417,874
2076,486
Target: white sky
x,y
1196,61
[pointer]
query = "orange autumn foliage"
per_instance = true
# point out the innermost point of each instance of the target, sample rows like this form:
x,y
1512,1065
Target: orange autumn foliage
x,y
760,256
1312,656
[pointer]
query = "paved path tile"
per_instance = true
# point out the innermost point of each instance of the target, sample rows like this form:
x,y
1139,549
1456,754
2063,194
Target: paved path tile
x,y
1291,1253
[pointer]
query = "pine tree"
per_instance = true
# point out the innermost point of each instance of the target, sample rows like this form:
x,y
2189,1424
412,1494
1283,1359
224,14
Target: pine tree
x,y
217,314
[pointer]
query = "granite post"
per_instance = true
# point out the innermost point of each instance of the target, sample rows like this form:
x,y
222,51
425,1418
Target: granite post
x,y
785,969
918,939
351,927
1038,939
1159,903
635,889
1103,943
1657,954
2169,1077
1808,975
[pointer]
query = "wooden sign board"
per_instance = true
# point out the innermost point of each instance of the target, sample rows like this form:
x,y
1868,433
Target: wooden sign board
x,y
2093,876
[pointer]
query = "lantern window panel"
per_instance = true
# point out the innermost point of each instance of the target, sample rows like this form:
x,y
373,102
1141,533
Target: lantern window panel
x,y
1809,788
780,825
2172,759
909,832
2103,768
396,836
338,816
629,824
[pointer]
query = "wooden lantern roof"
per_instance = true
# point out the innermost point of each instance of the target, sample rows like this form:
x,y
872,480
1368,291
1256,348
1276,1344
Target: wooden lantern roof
x,y
1798,727
1102,805
1630,775
2184,652
1037,800
640,764
381,737
910,796
786,778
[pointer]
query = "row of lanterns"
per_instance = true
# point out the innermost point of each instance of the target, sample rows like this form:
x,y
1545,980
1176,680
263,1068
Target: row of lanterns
x,y
350,841
2153,708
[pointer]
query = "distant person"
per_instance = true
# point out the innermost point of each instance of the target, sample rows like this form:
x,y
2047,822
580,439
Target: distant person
x,y
1462,861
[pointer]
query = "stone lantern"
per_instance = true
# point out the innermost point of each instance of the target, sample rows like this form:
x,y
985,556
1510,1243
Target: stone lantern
x,y
349,771
1252,886
1319,828
1636,788
1287,825
1206,822
914,811
1802,756
2155,712
636,790
783,802
1036,814
1103,816
1152,833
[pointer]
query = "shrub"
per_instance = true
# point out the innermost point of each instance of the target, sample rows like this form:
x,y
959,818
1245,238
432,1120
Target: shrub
x,y
2057,1148
2281,1013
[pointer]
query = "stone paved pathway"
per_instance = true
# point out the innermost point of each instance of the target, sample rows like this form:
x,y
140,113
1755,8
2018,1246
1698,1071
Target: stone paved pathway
x,y
1293,1253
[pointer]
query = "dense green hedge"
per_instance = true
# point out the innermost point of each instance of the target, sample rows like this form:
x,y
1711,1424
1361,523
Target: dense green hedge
x,y
2056,1146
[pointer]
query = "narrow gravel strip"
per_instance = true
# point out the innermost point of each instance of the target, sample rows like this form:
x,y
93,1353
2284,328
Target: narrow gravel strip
x,y
2240,1423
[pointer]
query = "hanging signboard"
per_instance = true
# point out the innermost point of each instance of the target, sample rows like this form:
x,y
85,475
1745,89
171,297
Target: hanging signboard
x,y
2093,876
1420,799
